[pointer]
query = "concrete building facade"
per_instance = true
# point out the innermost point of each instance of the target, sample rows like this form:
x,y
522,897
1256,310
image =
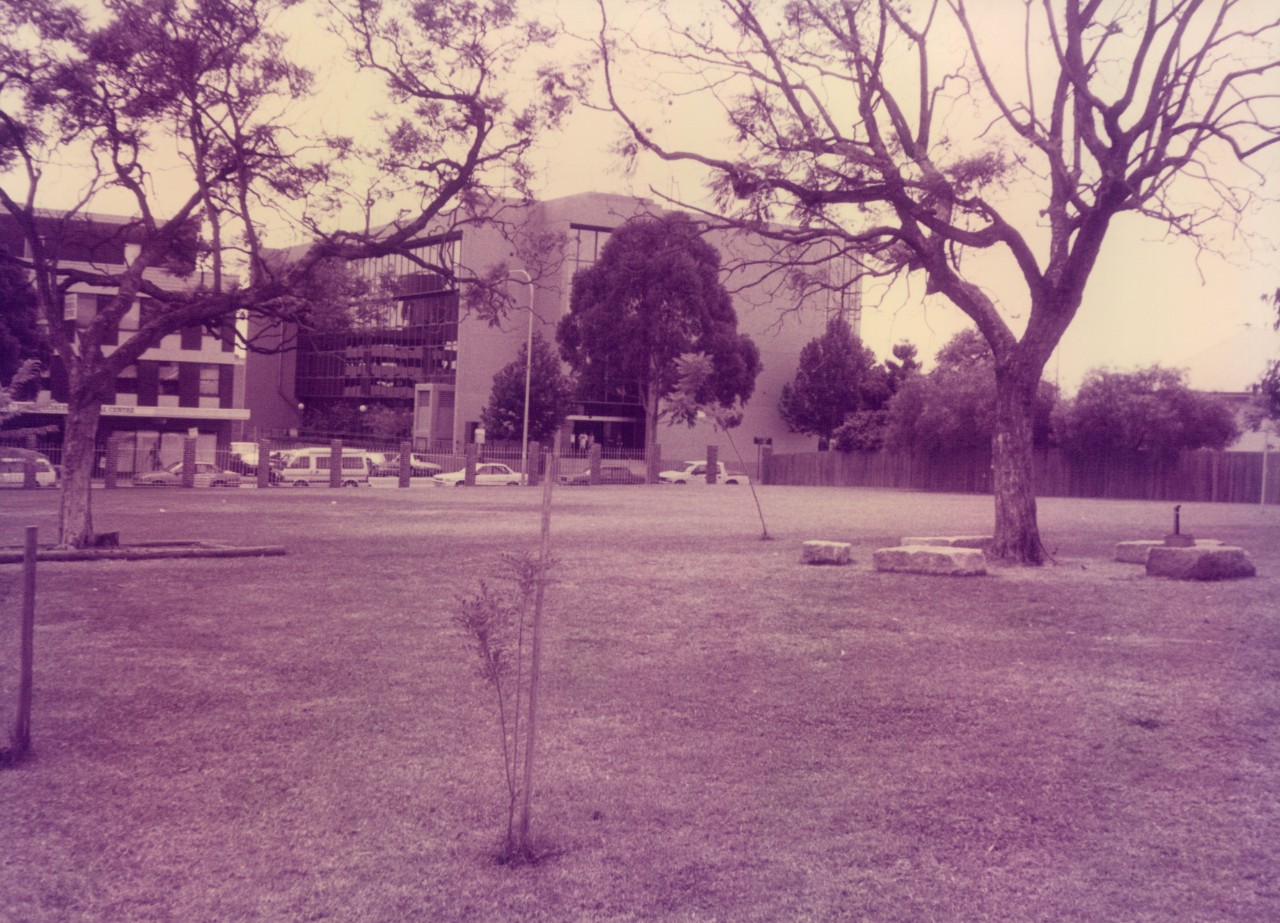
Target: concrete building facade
x,y
190,383
414,344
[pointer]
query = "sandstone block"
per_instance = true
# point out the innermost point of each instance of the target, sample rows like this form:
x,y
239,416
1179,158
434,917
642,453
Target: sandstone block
x,y
981,542
1221,562
951,561
1135,552
817,552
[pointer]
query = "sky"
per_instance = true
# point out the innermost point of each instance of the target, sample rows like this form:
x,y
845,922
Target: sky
x,y
1150,299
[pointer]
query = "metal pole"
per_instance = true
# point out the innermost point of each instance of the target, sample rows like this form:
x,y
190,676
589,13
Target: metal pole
x,y
528,379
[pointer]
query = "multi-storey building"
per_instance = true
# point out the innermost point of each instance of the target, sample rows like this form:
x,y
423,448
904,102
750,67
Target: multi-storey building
x,y
412,344
191,382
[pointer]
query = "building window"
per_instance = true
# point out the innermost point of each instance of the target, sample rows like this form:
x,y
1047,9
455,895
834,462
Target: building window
x,y
585,243
169,377
209,380
127,381
401,333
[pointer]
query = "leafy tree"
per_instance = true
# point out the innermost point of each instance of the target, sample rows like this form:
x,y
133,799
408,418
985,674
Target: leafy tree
x,y
212,81
883,134
903,365
865,430
1149,411
836,376
20,338
862,431
954,406
1267,390
653,296
551,396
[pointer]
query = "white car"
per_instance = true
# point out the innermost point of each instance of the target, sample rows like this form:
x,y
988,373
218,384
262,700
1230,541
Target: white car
x,y
695,472
488,474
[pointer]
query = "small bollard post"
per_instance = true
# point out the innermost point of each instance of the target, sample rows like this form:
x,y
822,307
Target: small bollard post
x,y
713,467
188,462
766,458
406,464
335,463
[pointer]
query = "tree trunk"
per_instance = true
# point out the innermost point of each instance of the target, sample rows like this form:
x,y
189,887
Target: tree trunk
x,y
651,416
1017,535
79,452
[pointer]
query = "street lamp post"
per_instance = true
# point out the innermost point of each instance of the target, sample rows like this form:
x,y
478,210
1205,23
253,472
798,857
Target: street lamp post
x,y
528,379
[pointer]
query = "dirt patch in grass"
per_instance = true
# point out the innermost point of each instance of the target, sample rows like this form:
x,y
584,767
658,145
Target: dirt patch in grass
x,y
729,734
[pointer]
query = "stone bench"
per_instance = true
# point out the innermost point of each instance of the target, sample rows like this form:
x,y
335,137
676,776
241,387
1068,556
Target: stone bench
x,y
819,552
944,560
1135,552
981,542
1216,562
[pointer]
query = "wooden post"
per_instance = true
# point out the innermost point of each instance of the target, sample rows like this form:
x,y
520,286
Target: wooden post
x,y
535,657
766,460
20,735
713,467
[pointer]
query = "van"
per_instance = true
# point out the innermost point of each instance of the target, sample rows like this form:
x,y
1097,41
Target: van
x,y
13,468
305,467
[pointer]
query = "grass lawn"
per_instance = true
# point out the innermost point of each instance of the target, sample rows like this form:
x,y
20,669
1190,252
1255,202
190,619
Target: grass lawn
x,y
727,735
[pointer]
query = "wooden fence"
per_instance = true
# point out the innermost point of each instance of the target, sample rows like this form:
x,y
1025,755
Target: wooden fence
x,y
1227,477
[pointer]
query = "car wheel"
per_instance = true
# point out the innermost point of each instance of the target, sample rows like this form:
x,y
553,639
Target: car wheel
x,y
350,484
301,484
513,483
682,482
731,481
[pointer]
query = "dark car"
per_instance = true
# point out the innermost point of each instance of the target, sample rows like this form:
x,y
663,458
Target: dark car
x,y
609,474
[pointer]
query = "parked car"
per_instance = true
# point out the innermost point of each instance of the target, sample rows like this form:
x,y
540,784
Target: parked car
x,y
244,458
419,466
695,472
304,467
206,475
13,468
609,474
488,474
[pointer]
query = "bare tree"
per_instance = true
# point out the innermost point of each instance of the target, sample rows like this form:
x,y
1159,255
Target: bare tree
x,y
892,134
212,81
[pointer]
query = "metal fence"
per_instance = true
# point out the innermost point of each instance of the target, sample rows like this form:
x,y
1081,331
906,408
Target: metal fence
x,y
1226,477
